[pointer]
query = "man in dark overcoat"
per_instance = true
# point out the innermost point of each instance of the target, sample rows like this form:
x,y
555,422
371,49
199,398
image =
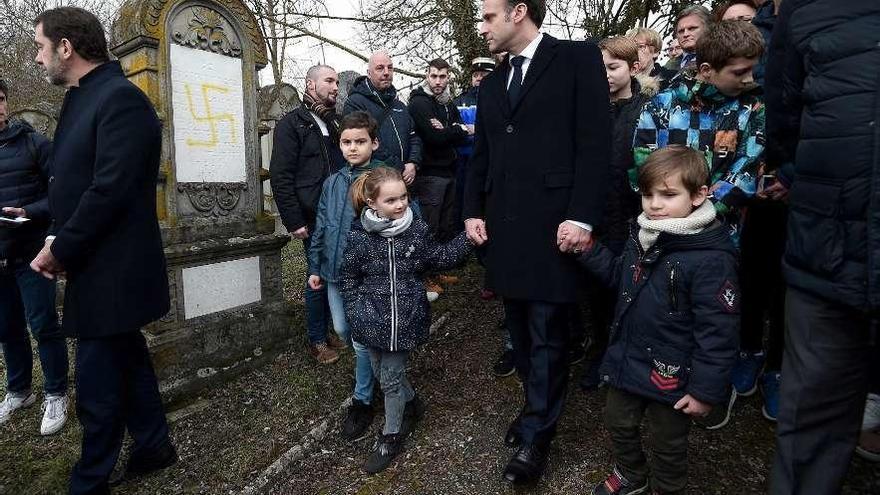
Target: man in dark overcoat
x,y
534,191
106,239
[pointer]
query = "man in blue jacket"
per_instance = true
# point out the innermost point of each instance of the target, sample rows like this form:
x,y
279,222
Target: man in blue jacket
x,y
399,146
27,299
102,196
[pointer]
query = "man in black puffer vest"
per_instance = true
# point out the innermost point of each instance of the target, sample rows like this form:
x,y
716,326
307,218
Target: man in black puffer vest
x,y
823,116
26,298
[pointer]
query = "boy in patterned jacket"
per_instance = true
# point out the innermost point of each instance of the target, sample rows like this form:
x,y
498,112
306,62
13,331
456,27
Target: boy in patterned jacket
x,y
716,109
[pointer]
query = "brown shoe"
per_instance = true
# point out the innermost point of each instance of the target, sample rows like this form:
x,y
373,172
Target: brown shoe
x,y
323,354
335,343
433,286
448,279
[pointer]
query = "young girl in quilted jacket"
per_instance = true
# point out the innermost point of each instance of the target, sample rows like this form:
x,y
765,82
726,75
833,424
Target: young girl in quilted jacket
x,y
382,284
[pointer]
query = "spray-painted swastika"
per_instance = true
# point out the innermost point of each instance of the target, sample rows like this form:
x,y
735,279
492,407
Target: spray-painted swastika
x,y
209,118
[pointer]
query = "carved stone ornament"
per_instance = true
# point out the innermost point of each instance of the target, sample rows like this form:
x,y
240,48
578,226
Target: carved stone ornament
x,y
213,199
146,18
206,30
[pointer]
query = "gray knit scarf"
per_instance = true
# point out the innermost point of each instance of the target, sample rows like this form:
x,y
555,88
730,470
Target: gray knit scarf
x,y
443,98
385,227
694,223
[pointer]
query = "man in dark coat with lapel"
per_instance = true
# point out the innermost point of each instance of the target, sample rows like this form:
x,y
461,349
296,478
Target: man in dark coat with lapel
x,y
534,191
106,240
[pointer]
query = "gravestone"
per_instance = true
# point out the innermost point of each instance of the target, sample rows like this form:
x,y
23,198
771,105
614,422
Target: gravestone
x,y
274,102
41,120
197,61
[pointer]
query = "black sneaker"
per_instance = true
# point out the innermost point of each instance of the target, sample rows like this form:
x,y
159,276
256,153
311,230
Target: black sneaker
x,y
145,463
413,412
357,421
504,365
386,449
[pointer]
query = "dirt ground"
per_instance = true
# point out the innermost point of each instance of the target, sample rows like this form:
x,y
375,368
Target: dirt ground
x,y
229,435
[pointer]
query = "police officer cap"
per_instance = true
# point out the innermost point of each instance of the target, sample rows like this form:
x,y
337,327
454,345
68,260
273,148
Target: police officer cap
x,y
483,63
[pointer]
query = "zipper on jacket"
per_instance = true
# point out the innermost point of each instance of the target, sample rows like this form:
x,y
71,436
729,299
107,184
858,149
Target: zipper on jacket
x,y
672,299
394,125
392,275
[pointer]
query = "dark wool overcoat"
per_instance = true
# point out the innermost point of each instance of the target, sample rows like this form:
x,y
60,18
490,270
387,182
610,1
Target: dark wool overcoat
x,y
538,164
102,197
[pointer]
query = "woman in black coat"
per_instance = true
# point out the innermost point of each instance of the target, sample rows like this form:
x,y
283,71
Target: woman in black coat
x,y
383,287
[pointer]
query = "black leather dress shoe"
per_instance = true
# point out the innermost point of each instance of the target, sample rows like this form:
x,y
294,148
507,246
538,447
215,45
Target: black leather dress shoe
x,y
513,438
141,465
527,465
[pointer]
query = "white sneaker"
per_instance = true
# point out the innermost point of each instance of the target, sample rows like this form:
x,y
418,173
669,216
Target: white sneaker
x,y
432,296
54,414
871,418
13,402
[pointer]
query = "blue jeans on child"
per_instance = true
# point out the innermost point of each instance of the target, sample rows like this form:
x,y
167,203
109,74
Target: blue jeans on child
x,y
28,299
390,370
363,370
317,308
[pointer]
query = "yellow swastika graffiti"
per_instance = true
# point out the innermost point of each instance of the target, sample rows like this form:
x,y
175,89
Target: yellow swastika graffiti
x,y
209,118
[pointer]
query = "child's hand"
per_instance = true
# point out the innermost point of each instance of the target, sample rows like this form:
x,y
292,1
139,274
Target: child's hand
x,y
315,282
692,407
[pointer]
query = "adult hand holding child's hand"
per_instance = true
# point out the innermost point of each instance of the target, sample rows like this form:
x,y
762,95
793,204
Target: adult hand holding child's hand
x,y
693,407
315,282
476,231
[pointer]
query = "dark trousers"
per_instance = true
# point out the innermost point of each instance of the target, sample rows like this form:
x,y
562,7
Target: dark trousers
x,y
624,412
28,299
822,396
436,197
317,305
763,288
116,390
540,335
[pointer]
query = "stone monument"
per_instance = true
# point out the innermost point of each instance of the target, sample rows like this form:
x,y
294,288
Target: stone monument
x,y
197,61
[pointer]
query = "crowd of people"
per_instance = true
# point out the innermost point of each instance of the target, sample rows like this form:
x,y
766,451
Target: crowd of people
x,y
714,214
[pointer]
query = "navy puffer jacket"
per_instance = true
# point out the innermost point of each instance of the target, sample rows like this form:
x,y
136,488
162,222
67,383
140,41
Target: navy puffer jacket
x,y
383,283
398,142
24,179
676,324
823,107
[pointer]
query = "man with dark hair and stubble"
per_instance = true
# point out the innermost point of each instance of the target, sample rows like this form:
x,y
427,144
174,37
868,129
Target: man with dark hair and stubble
x,y
305,151
535,188
106,240
438,124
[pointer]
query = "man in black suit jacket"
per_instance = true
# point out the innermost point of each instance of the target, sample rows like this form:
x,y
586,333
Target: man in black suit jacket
x,y
106,239
534,191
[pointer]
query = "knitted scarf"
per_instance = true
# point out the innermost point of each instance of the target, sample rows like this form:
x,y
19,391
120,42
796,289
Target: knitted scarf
x,y
372,222
327,114
443,98
694,223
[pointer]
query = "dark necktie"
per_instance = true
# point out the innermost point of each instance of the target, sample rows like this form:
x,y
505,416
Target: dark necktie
x,y
516,81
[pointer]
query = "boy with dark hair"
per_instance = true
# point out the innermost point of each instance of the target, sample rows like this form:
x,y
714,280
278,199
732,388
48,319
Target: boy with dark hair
x,y
358,140
674,332
438,125
716,109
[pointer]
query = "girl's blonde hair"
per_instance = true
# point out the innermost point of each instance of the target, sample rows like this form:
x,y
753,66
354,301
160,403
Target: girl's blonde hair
x,y
367,186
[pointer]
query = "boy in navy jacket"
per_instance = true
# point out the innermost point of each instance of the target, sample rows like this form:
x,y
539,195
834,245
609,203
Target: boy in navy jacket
x,y
673,339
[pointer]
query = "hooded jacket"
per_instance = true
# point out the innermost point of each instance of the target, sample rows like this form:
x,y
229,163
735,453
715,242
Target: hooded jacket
x,y
398,142
382,283
334,215
676,324
728,130
438,145
24,183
